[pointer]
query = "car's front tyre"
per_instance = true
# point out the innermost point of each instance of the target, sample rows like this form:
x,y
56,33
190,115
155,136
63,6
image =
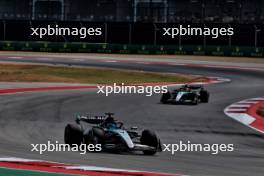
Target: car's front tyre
x,y
149,138
165,97
204,96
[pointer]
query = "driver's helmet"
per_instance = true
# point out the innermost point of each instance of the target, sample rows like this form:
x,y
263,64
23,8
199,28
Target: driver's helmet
x,y
185,86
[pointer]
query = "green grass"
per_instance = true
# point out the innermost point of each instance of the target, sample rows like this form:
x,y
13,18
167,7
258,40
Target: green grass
x,y
16,172
37,73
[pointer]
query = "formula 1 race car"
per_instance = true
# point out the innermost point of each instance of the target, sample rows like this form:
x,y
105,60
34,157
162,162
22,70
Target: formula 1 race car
x,y
111,135
187,94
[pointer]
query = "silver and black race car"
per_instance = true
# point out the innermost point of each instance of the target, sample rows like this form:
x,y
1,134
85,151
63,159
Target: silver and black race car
x,y
187,94
111,135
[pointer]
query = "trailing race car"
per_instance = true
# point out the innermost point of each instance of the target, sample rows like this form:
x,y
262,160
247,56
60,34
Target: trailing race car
x,y
187,94
111,135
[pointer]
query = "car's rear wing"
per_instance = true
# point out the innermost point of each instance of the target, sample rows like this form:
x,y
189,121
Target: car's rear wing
x,y
90,119
194,87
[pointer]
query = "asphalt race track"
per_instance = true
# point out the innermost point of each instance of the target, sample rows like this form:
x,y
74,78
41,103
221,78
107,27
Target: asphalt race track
x,y
38,117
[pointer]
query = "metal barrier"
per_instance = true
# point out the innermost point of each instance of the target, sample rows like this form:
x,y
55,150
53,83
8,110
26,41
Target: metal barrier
x,y
131,49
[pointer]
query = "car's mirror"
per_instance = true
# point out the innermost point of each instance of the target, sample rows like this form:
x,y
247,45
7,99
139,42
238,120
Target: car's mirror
x,y
78,119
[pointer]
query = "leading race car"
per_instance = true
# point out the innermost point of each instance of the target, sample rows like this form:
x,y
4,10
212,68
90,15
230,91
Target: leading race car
x,y
111,135
187,94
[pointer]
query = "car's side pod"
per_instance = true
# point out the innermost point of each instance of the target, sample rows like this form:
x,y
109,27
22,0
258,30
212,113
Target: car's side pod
x,y
98,132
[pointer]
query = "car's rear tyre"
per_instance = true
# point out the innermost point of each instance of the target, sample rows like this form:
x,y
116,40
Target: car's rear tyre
x,y
149,138
73,135
165,97
90,138
204,96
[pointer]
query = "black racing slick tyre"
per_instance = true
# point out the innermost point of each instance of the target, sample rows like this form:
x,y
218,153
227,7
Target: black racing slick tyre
x,y
149,138
204,96
165,97
73,135
90,138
